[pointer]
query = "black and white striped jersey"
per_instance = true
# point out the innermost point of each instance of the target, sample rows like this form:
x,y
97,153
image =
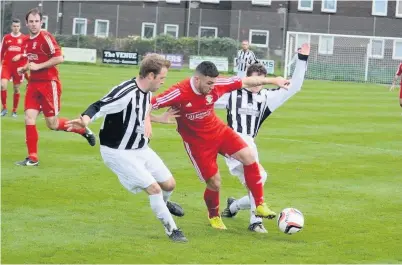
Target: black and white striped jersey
x,y
244,59
124,108
246,111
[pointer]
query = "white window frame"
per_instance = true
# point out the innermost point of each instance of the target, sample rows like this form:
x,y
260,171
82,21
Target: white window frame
x,y
375,13
45,20
96,33
297,40
320,48
143,29
327,10
150,0
301,8
204,27
261,2
250,34
210,1
171,25
85,25
398,2
382,50
173,1
394,57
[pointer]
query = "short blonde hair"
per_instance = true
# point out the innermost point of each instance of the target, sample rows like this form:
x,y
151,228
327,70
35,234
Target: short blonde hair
x,y
153,63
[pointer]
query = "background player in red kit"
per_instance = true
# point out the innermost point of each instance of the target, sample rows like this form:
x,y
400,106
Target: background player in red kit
x,y
12,58
397,75
44,88
205,135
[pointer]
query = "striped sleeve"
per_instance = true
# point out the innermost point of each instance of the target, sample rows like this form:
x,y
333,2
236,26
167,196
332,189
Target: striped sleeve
x,y
53,46
114,101
253,58
168,98
225,85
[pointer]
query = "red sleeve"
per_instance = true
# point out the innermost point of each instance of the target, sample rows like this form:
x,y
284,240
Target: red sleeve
x,y
53,46
3,48
168,98
399,72
225,85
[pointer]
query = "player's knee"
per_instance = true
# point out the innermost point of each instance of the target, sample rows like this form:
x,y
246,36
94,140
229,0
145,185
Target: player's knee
x,y
51,124
153,189
16,89
29,120
214,183
3,86
246,156
168,185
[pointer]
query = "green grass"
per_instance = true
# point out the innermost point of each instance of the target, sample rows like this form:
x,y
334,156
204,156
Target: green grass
x,y
334,151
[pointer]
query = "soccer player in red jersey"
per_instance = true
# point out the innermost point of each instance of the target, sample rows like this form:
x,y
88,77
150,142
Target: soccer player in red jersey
x,y
205,135
11,58
44,88
397,75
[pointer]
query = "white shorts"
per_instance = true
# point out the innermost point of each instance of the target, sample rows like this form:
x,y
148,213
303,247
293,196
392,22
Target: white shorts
x,y
236,167
136,169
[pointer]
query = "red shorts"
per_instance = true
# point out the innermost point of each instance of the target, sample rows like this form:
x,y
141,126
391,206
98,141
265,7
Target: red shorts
x,y
204,156
44,95
400,92
10,71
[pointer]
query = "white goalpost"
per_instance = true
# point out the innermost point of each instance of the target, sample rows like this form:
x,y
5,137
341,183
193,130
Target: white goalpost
x,y
352,58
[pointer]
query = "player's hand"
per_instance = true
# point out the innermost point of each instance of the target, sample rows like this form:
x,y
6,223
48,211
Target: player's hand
x,y
168,116
282,82
80,123
22,70
33,66
392,87
304,49
16,58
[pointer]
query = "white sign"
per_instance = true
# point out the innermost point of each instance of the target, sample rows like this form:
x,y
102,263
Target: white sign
x,y
221,63
269,65
79,55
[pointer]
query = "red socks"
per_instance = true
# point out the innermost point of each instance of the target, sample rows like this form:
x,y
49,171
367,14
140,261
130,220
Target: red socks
x,y
254,182
16,100
4,99
62,124
212,201
32,141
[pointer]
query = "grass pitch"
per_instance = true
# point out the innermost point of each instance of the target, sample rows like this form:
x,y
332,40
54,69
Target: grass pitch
x,y
334,151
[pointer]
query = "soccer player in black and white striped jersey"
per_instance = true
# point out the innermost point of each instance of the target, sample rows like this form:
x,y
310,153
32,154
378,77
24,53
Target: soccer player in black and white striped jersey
x,y
247,109
124,142
245,57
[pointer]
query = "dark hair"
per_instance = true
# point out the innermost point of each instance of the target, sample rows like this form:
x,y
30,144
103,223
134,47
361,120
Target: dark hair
x,y
16,20
153,63
33,11
207,68
256,68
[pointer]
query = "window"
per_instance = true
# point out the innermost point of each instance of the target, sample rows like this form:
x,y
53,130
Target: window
x,y
377,48
148,30
173,1
398,12
45,20
80,26
261,2
259,38
305,5
397,51
208,32
326,45
379,8
101,28
329,6
210,1
301,39
170,29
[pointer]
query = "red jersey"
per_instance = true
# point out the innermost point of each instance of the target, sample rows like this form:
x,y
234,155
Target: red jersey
x,y
399,71
12,46
40,49
197,121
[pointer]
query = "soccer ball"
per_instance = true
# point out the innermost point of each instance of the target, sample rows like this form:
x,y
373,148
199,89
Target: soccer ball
x,y
290,221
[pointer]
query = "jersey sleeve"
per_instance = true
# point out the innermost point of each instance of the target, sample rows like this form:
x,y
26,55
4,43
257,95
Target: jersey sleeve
x,y
3,48
399,71
226,85
52,45
168,98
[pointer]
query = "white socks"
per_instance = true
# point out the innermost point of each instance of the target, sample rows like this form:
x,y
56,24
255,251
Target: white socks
x,y
244,203
166,195
158,206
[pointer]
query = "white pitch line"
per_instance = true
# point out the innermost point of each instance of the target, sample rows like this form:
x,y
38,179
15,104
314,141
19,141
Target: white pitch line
x,y
342,145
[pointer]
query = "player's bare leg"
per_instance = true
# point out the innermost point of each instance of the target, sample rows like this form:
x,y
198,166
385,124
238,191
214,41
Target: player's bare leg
x,y
16,99
254,181
4,110
161,211
59,124
167,189
32,137
211,197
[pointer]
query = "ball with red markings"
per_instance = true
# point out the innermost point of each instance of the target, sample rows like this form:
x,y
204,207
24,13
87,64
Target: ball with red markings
x,y
290,221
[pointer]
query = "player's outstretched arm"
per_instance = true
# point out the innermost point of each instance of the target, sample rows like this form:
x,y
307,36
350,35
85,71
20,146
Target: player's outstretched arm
x,y
252,81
